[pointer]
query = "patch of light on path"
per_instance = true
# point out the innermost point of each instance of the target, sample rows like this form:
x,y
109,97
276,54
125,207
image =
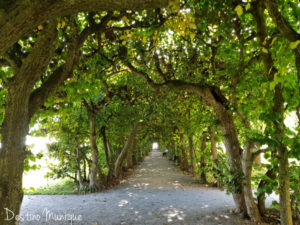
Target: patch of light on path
x,y
173,214
122,203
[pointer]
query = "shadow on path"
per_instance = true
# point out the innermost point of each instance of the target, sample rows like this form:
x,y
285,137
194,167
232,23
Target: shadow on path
x,y
157,193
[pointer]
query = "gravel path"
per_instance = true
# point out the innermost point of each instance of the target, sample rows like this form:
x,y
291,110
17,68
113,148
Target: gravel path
x,y
157,193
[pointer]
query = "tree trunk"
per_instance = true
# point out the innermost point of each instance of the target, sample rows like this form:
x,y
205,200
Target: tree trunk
x,y
12,156
135,151
232,145
75,176
16,123
123,154
80,180
84,170
284,187
129,162
284,180
214,98
278,111
213,144
203,179
20,106
247,169
95,171
108,155
192,153
234,156
214,153
257,160
184,160
261,197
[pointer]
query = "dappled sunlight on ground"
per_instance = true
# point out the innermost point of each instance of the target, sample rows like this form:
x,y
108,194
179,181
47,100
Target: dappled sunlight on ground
x,y
157,193
173,214
122,203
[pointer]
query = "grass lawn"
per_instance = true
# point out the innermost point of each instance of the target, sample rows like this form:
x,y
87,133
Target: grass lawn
x,y
62,187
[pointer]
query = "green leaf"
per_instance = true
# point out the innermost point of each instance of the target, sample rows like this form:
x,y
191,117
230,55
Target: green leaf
x,y
248,6
192,36
273,40
239,10
294,44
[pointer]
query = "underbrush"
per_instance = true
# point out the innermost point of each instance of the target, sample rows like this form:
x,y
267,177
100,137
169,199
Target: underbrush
x,y
61,188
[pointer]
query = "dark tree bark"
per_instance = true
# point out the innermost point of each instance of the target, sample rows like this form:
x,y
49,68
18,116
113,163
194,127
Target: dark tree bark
x,y
192,154
203,179
213,144
108,155
261,197
84,170
122,156
16,121
231,142
214,153
21,17
95,182
78,161
129,161
184,160
134,150
247,162
278,124
281,24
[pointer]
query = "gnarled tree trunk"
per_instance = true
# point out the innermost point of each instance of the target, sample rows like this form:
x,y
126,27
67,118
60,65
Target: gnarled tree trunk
x,y
95,182
123,154
18,113
214,97
247,169
12,156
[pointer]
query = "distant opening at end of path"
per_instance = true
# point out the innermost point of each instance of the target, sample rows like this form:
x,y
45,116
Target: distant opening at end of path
x,y
155,146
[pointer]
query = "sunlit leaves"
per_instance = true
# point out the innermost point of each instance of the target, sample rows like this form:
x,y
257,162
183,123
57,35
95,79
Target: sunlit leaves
x,y
61,24
183,24
248,6
239,10
175,4
294,44
264,50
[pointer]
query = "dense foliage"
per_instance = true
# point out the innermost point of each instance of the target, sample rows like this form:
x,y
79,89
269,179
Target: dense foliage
x,y
211,81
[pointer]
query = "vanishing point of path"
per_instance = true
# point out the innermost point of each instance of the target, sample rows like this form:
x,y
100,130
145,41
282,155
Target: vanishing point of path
x,y
157,193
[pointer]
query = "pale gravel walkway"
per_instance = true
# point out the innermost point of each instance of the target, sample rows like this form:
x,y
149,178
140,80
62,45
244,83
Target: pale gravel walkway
x,y
157,193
